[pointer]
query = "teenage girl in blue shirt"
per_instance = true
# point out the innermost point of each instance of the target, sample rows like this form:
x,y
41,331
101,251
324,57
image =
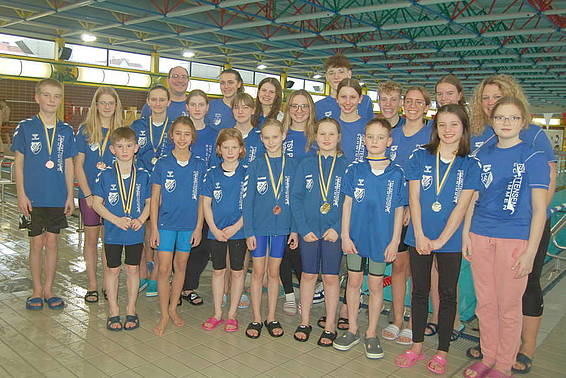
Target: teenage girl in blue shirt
x,y
442,180
92,139
268,101
243,107
352,124
176,217
219,114
268,222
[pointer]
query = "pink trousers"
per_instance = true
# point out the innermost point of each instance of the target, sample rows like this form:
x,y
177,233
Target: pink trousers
x,y
499,298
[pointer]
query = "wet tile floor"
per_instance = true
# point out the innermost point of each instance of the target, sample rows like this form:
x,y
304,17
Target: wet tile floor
x,y
74,341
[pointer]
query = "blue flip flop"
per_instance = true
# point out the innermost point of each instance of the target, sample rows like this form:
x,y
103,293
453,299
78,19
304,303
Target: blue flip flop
x,y
55,303
34,304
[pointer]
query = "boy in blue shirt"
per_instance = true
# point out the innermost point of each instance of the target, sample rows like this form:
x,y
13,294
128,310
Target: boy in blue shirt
x,y
44,149
390,101
121,198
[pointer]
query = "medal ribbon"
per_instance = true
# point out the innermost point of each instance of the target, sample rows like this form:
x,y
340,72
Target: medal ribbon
x,y
276,188
160,138
325,184
440,184
50,140
126,197
102,147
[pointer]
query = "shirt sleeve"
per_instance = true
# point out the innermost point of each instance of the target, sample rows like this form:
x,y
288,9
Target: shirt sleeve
x,y
402,195
70,148
366,108
147,184
145,112
156,174
537,170
348,187
297,202
541,143
80,141
248,199
207,183
98,187
413,167
19,139
472,174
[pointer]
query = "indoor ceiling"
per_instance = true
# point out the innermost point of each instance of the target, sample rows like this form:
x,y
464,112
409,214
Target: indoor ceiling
x,y
413,42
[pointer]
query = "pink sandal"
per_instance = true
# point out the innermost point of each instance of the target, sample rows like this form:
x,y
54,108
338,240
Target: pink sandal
x,y
440,364
233,323
479,368
213,323
408,359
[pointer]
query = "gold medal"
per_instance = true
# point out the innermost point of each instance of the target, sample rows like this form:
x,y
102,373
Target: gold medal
x,y
276,209
100,165
127,197
436,206
153,161
276,187
50,164
325,208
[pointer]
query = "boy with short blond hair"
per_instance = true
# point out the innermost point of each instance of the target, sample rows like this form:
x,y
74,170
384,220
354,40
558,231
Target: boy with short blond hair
x,y
389,93
44,149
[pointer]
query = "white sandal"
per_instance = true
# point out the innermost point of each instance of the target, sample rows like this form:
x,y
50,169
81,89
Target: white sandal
x,y
406,333
290,308
390,329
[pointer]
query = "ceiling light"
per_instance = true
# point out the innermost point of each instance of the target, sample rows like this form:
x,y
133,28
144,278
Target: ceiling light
x,y
316,76
87,37
261,66
188,53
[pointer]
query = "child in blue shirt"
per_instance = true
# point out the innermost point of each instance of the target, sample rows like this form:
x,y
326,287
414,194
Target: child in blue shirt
x,y
203,146
177,82
442,180
219,114
352,124
176,217
153,131
375,193
504,235
104,116
222,205
338,68
121,197
299,120
268,101
390,101
267,222
316,203
243,107
44,149
413,133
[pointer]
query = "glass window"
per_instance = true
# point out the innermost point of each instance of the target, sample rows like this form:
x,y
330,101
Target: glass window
x,y
314,86
252,91
316,98
376,108
372,95
129,60
208,87
259,76
10,44
165,64
295,83
247,76
87,54
206,71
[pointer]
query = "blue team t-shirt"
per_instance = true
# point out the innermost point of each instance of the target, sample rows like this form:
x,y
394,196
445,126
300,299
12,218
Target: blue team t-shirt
x,y
295,143
306,198
219,115
352,141
180,191
174,110
92,155
504,208
463,175
106,187
152,149
328,107
402,146
43,186
374,200
205,145
226,193
254,148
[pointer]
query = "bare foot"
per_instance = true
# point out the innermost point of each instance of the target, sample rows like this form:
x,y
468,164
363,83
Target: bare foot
x,y
159,329
177,320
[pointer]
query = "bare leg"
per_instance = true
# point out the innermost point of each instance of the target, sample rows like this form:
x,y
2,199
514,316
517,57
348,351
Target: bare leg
x,y
353,298
111,284
331,284
133,282
164,290
218,278
35,262
531,326
50,263
308,282
398,287
236,289
90,254
255,289
180,263
375,284
273,288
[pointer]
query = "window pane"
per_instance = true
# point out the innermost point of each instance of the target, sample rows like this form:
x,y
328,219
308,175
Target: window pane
x,y
296,83
252,91
86,54
10,44
247,76
206,71
314,86
165,64
208,87
129,60
372,95
316,98
259,76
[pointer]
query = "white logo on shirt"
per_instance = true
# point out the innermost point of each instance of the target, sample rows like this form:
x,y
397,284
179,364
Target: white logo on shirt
x,y
393,152
389,196
217,119
217,192
514,188
309,182
113,198
426,182
252,150
142,140
170,182
360,191
261,185
328,113
428,169
459,185
289,147
486,176
195,185
93,146
35,146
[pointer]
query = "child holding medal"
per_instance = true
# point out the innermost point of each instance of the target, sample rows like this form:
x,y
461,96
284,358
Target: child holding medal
x,y
316,203
442,179
121,197
176,217
267,222
375,193
44,148
103,117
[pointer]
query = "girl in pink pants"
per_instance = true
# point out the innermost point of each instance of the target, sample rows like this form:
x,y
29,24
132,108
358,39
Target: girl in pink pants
x,y
502,237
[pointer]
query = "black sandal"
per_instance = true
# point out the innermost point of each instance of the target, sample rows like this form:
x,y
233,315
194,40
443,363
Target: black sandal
x,y
303,329
477,349
194,298
525,360
272,326
321,322
132,319
91,294
343,322
254,326
328,336
432,328
111,321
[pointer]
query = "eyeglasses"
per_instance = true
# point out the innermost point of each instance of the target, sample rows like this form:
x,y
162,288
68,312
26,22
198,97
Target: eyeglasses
x,y
510,119
106,103
296,107
177,76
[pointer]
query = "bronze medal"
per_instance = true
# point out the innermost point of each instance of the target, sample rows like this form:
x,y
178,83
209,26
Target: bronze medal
x,y
100,165
50,164
276,209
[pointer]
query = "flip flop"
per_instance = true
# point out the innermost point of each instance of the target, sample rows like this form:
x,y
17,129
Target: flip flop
x,y
440,364
213,323
408,359
34,304
525,360
254,326
392,329
91,294
233,323
111,321
55,303
132,319
432,328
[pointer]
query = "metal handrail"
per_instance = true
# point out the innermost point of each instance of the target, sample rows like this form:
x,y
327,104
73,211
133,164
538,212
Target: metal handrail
x,y
555,230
